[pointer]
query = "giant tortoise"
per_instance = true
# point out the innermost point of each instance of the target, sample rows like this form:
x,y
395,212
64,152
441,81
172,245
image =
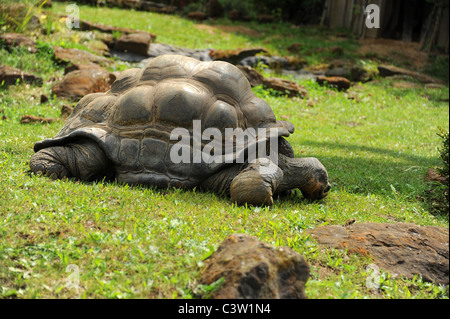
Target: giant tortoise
x,y
131,134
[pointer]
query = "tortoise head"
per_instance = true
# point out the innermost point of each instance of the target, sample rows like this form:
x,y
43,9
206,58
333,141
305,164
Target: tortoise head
x,y
318,186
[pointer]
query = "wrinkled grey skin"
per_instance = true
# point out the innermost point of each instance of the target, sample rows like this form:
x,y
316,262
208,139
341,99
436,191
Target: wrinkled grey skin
x,y
124,134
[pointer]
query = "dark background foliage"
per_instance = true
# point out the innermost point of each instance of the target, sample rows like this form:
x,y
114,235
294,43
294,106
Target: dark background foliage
x,y
296,11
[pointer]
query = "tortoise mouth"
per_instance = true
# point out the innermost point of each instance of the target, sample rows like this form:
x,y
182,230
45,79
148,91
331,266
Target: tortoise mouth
x,y
326,190
322,192
318,193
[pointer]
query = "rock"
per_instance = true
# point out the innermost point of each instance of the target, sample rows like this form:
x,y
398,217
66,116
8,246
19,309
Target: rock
x,y
433,176
359,74
130,4
341,63
12,76
128,56
274,62
404,249
390,70
214,9
197,15
434,86
255,270
138,43
44,98
100,47
340,72
253,76
157,49
340,83
78,66
66,111
16,40
290,88
75,56
107,38
89,26
295,63
157,7
137,5
26,119
77,84
256,61
234,56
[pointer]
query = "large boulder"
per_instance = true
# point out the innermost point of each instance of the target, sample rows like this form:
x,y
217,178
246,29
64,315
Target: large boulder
x,y
404,249
255,270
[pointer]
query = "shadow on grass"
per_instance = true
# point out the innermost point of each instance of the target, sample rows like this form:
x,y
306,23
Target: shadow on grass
x,y
364,175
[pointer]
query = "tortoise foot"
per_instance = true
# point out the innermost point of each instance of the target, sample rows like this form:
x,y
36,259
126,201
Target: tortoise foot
x,y
46,162
256,184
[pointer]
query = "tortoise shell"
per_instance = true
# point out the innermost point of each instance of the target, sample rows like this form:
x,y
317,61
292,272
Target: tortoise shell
x,y
133,121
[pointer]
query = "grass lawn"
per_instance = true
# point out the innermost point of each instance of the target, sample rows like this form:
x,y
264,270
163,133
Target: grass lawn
x,y
136,242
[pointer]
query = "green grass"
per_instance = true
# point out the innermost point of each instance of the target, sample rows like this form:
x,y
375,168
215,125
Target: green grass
x,y
137,242
276,38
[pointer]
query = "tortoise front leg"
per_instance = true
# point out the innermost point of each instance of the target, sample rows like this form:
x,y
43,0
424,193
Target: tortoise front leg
x,y
84,160
307,174
257,183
